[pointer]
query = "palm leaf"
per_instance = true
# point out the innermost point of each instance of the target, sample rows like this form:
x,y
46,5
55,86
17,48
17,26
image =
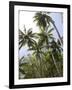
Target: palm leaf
x,y
50,30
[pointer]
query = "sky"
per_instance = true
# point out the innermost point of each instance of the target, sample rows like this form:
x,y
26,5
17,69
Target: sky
x,y
26,18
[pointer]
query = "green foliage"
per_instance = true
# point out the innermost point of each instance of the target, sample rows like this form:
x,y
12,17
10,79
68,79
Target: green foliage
x,y
42,19
33,68
26,37
47,57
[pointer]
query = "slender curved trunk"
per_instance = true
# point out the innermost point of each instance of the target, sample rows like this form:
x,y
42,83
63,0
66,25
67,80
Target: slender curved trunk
x,y
57,33
55,64
41,66
40,63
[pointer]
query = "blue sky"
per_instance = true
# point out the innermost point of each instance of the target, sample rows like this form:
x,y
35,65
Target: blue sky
x,y
26,18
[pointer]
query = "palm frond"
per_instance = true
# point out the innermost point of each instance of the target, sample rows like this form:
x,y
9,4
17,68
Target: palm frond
x,y
49,31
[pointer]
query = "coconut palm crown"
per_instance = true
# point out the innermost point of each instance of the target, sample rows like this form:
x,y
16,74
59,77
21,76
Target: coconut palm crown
x,y
26,37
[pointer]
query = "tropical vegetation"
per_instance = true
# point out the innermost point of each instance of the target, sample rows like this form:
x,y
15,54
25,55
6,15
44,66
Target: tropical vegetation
x,y
46,58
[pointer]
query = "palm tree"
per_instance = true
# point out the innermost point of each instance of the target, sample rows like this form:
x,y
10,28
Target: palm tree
x,y
55,49
38,53
45,40
56,46
46,36
43,20
26,37
37,49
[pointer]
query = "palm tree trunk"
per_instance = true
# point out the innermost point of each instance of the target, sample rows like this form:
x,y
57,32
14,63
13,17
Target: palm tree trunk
x,y
57,33
55,64
41,66
40,63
